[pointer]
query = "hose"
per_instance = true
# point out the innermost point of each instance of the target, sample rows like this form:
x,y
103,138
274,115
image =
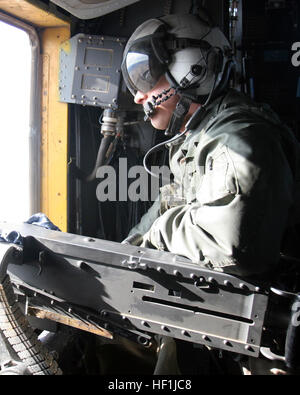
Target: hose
x,y
109,132
15,328
101,156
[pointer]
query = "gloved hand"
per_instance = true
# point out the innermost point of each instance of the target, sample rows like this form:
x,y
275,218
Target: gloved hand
x,y
143,241
134,239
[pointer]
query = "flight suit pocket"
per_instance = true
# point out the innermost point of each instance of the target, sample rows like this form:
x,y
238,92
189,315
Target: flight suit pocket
x,y
219,179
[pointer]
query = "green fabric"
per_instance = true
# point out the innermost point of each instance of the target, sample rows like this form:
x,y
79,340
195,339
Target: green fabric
x,y
234,190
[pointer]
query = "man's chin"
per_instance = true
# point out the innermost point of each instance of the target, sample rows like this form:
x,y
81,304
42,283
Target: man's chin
x,y
157,125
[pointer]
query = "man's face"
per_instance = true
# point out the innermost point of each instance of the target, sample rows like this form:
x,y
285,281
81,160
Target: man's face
x,y
161,117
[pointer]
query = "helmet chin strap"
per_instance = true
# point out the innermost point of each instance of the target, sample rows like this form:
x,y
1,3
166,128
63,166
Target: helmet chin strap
x,y
178,115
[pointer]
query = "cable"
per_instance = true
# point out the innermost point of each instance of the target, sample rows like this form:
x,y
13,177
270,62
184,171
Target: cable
x,y
108,129
158,146
101,156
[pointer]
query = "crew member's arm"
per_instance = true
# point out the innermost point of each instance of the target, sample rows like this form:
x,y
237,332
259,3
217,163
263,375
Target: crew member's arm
x,y
243,196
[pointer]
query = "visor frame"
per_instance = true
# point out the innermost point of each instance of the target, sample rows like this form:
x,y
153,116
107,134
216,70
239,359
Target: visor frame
x,y
158,59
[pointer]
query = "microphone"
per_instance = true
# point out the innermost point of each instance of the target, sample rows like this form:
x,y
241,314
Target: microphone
x,y
149,109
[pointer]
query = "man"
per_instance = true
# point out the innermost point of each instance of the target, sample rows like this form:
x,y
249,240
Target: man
x,y
235,166
235,192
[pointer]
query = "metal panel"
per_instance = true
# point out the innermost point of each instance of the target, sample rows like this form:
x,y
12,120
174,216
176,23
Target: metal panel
x,y
87,9
90,70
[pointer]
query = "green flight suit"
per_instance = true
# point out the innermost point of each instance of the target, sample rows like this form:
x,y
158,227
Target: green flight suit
x,y
236,179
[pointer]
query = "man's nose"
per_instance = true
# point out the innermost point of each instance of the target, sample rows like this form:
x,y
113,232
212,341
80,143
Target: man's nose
x,y
140,97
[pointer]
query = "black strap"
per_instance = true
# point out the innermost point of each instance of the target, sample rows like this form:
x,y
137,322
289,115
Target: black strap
x,y
179,113
176,44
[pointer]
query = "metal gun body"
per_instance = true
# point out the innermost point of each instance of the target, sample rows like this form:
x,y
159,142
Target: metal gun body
x,y
137,292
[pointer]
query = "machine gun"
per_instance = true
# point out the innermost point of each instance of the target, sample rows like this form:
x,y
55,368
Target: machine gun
x,y
111,288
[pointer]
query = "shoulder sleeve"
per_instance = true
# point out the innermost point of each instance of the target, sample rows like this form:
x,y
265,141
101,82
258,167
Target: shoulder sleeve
x,y
147,219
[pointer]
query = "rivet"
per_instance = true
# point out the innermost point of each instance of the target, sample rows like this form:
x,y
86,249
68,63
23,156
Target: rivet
x,y
211,280
185,333
176,273
199,281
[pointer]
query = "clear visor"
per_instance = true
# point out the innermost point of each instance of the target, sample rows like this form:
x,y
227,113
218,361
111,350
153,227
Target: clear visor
x,y
141,69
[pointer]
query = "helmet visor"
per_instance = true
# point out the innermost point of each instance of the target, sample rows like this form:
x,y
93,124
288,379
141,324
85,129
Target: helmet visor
x,y
141,69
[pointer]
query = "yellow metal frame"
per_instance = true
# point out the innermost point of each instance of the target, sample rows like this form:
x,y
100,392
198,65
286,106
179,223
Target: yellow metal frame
x,y
28,12
53,32
54,133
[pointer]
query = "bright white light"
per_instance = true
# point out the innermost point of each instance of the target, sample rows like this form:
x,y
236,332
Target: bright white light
x,y
15,70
